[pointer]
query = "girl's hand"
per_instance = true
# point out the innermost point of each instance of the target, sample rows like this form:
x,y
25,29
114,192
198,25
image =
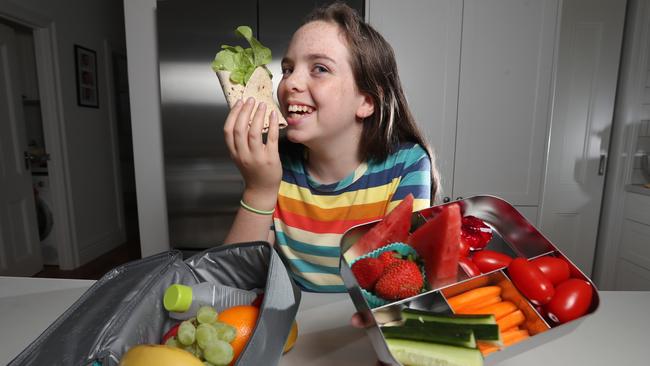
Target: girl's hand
x,y
358,320
258,163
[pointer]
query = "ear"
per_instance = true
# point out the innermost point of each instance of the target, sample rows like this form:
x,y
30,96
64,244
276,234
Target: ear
x,y
366,107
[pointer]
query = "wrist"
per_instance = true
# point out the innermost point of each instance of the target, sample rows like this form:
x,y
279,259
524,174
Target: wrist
x,y
260,200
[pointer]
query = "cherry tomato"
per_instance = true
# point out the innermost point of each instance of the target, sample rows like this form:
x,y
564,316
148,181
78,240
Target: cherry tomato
x,y
555,269
469,267
489,260
172,332
531,281
464,249
572,300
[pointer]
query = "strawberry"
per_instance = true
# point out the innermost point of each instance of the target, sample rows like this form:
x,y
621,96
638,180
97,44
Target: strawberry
x,y
367,271
400,281
389,257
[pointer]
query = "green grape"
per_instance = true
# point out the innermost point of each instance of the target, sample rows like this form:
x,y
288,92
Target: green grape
x,y
206,314
186,333
219,353
206,363
225,332
205,334
172,342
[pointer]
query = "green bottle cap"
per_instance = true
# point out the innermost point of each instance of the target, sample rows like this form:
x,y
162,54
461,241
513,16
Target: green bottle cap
x,y
178,298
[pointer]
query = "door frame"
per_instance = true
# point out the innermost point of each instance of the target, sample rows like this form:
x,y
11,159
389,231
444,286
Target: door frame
x,y
635,56
49,85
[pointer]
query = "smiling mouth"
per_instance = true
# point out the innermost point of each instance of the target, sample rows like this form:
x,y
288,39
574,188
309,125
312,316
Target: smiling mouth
x,y
296,111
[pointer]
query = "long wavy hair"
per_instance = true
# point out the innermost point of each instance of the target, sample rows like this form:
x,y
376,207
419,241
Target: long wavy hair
x,y
375,72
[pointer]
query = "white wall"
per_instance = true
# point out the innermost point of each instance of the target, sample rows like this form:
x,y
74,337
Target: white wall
x,y
87,135
144,90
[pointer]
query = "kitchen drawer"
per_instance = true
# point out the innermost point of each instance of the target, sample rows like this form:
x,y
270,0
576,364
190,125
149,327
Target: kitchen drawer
x,y
630,277
637,207
635,243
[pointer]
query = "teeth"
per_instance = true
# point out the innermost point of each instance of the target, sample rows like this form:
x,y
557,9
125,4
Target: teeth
x,y
300,108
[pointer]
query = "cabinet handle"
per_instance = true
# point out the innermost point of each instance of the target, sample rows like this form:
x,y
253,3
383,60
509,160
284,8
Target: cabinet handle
x,y
446,199
601,164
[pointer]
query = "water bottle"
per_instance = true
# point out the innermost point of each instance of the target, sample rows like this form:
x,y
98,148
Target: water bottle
x,y
184,301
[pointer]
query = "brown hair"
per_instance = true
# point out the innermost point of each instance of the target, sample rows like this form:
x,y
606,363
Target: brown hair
x,y
375,72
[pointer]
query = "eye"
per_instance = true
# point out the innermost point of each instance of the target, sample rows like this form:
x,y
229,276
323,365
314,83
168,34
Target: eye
x,y
320,69
286,70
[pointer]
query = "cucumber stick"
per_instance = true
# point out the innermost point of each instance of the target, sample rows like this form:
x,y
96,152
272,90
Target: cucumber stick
x,y
482,332
485,327
416,353
455,319
462,337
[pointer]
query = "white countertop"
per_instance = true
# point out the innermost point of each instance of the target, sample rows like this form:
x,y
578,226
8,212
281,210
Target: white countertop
x,y
617,334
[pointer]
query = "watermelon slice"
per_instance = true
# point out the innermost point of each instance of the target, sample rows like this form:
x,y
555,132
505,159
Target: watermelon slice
x,y
393,228
437,242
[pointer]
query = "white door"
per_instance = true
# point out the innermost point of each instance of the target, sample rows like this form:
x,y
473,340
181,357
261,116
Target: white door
x,y
587,70
503,98
20,252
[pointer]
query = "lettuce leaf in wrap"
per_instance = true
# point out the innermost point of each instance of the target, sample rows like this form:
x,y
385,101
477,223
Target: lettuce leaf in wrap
x,y
241,62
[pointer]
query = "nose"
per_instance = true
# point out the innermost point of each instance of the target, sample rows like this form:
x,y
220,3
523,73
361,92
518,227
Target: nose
x,y
294,81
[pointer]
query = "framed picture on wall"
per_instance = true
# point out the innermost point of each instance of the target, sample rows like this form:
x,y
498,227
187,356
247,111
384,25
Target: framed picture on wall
x,y
86,70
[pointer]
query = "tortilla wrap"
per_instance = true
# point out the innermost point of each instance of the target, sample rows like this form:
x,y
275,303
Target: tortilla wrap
x,y
259,86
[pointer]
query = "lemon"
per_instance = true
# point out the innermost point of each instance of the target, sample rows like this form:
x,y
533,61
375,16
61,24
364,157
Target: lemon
x,y
291,340
159,355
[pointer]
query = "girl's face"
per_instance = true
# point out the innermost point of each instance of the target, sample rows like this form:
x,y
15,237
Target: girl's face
x,y
318,95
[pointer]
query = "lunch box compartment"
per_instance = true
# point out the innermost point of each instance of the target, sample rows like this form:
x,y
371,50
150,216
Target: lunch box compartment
x,y
575,273
124,308
515,234
534,323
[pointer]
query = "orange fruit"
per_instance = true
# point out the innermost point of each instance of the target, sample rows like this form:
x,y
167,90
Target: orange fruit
x,y
243,319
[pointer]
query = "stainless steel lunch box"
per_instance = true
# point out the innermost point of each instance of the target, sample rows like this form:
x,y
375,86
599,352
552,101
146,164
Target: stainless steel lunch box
x,y
512,234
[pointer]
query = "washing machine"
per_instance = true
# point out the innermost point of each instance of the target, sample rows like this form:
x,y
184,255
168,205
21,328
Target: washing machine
x,y
46,220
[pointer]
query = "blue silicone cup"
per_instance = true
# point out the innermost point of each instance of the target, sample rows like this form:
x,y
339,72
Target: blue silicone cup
x,y
401,248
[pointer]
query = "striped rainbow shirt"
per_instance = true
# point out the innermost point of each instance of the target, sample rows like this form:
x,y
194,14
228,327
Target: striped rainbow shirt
x,y
310,218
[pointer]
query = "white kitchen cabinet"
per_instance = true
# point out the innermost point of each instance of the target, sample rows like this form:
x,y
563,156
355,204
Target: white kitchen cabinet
x,y
477,74
633,262
428,59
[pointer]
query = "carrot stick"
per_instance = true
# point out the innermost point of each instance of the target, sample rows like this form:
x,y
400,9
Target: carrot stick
x,y
486,348
513,336
511,320
490,301
472,297
499,310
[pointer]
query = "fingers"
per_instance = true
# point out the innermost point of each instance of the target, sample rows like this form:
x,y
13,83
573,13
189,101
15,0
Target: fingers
x,y
229,125
274,132
359,320
240,130
255,143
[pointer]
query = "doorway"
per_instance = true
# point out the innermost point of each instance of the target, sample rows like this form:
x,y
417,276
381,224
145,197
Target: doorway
x,y
37,155
20,242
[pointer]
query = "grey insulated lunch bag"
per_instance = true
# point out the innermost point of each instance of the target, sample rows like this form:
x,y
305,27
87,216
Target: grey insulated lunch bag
x,y
124,308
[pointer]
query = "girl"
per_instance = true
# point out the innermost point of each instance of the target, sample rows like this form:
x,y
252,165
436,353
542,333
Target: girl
x,y
352,150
